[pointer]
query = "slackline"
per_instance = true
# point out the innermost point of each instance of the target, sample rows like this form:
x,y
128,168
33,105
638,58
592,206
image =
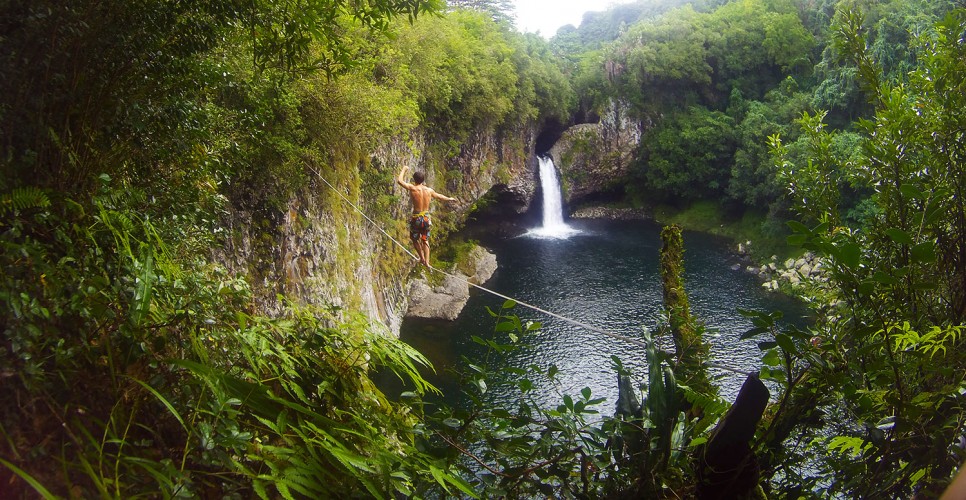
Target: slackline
x,y
574,322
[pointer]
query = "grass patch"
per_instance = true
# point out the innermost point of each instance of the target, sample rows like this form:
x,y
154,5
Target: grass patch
x,y
711,217
454,253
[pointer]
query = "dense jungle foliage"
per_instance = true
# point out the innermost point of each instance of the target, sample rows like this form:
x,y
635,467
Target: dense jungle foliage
x,y
134,363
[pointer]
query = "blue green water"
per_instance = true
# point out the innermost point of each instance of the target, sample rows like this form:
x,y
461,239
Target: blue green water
x,y
606,275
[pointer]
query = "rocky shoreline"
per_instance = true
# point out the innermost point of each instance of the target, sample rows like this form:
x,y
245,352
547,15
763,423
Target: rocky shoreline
x,y
788,275
610,213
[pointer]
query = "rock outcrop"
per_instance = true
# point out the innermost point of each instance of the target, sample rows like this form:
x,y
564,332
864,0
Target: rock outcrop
x,y
447,299
444,301
610,213
483,263
594,157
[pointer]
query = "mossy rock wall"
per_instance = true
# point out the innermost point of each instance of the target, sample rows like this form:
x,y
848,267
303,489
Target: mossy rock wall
x,y
320,250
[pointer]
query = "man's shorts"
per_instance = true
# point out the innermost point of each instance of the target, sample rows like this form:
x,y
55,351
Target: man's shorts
x,y
419,226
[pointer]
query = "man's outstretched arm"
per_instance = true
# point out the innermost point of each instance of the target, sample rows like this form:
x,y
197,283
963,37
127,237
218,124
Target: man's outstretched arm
x,y
444,197
400,180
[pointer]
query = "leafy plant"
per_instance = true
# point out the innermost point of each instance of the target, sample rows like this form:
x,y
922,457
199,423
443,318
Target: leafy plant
x,y
892,309
527,448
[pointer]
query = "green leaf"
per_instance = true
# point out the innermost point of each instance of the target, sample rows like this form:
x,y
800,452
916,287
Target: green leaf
x,y
39,488
443,478
924,253
165,402
463,486
753,332
509,304
145,286
917,476
899,236
911,191
772,358
568,401
885,279
698,441
934,214
798,227
767,373
785,342
453,422
768,344
504,326
850,254
847,444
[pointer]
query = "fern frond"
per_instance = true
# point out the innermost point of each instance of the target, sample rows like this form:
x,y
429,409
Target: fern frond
x,y
24,198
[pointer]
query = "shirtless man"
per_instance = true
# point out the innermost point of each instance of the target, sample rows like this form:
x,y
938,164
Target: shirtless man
x,y
419,223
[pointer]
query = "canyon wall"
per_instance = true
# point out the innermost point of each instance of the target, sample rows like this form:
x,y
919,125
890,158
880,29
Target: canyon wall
x,y
319,250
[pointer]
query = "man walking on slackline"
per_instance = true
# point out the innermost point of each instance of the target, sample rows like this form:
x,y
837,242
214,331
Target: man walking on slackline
x,y
419,223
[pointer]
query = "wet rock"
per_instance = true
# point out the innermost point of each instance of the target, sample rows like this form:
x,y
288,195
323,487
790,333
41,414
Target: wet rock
x,y
589,155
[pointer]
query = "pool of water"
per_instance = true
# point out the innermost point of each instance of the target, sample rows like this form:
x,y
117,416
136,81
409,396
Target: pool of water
x,y
606,275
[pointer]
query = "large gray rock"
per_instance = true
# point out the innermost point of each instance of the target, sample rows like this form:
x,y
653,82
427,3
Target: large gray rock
x,y
444,301
447,299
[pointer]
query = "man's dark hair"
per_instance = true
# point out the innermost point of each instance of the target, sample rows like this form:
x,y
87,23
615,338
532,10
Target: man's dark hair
x,y
418,177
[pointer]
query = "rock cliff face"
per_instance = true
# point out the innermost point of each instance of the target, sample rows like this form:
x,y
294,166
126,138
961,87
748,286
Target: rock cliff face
x,y
319,250
593,156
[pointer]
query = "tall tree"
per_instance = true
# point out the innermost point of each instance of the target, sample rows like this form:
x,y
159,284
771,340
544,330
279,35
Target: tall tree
x,y
502,11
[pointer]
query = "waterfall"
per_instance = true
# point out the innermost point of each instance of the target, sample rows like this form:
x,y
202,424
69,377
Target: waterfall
x,y
553,222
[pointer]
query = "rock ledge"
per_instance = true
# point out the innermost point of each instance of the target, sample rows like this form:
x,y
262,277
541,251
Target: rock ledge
x,y
446,300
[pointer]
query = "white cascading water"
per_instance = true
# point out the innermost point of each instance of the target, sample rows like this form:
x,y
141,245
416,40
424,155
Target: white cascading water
x,y
553,222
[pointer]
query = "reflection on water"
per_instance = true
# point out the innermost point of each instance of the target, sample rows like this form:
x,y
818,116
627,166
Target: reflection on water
x,y
606,276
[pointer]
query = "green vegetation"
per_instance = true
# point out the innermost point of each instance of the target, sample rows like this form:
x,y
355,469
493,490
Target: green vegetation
x,y
767,234
158,159
872,388
576,448
889,355
691,349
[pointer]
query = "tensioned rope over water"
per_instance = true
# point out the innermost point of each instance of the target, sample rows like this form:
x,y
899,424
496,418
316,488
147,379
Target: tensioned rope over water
x,y
524,304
